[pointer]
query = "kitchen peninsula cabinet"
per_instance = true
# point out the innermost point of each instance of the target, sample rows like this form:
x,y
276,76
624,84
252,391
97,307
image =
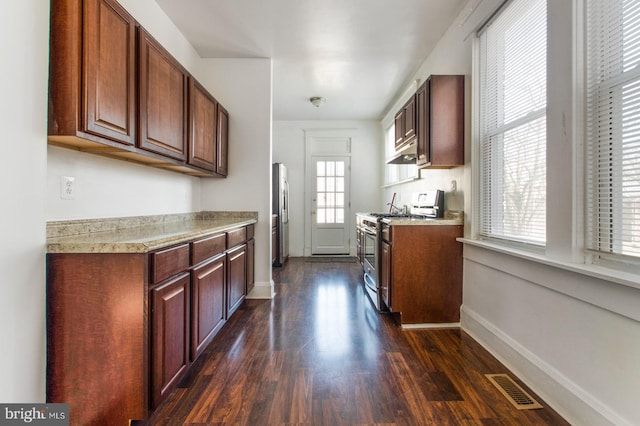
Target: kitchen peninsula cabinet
x,y
130,310
163,100
421,272
440,122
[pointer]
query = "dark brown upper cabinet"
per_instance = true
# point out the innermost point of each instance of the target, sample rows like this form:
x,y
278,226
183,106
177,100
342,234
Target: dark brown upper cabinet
x,y
203,130
115,91
405,124
92,85
440,122
222,141
409,118
163,100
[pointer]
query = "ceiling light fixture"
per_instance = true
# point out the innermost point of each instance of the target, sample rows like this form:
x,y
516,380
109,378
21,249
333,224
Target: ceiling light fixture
x,y
317,101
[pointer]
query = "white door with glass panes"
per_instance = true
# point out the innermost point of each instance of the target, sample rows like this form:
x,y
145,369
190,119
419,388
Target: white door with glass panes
x,y
330,205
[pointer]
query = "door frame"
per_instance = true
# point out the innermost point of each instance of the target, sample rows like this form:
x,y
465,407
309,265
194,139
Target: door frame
x,y
326,143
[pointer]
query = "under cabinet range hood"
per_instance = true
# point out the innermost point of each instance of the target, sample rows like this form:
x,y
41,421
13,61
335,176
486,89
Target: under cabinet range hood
x,y
406,155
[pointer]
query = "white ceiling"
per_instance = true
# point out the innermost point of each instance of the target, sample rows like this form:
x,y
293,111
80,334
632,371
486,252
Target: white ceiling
x,y
358,54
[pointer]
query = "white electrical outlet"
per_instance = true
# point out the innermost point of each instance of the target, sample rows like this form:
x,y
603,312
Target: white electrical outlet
x,y
67,188
454,186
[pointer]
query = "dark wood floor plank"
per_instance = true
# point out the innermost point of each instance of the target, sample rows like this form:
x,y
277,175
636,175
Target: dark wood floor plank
x,y
319,354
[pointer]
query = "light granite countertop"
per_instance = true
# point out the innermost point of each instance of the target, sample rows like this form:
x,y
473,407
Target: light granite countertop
x,y
139,234
453,217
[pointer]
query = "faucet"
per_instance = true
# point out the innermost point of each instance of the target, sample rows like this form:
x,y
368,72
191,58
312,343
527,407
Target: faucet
x,y
402,210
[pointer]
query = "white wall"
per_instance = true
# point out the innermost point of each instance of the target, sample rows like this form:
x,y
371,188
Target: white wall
x,y
569,331
289,149
24,51
243,86
112,188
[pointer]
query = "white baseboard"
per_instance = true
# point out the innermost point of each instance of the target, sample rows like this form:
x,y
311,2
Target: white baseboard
x,y
262,290
430,325
571,401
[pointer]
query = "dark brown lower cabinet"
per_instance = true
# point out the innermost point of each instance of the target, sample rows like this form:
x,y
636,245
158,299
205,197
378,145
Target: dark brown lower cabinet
x,y
251,255
421,272
207,303
237,277
124,328
97,336
170,321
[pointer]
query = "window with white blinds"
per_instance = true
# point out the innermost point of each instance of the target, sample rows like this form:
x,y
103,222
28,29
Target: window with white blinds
x,y
512,63
613,128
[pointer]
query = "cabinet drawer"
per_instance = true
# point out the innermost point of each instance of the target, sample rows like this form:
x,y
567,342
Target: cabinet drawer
x,y
207,247
236,237
250,231
167,262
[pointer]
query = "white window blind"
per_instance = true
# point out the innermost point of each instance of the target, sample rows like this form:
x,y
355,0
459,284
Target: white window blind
x,y
512,67
613,128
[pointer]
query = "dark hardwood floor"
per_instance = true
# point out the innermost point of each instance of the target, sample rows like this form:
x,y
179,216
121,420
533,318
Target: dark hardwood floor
x,y
319,354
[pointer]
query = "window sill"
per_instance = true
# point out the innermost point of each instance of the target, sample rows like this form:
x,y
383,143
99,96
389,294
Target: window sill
x,y
594,271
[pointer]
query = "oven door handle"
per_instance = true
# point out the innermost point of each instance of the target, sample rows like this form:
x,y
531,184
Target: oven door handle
x,y
369,231
370,283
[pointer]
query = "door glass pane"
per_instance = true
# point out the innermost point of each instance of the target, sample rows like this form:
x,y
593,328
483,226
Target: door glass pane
x,y
330,182
331,168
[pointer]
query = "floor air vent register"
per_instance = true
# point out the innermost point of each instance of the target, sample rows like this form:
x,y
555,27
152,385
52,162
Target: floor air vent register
x,y
517,396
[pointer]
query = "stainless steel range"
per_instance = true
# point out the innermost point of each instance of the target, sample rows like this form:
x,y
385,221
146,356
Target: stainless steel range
x,y
428,205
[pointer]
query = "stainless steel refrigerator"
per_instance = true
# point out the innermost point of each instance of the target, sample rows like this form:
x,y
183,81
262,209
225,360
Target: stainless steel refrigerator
x,y
280,207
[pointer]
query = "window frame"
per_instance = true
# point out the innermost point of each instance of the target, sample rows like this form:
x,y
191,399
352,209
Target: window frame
x,y
477,136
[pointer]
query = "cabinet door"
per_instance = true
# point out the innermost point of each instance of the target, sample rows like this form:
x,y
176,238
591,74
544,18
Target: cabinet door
x,y
399,128
169,336
385,274
409,118
163,100
99,103
422,124
222,141
207,303
202,127
446,120
251,255
236,278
